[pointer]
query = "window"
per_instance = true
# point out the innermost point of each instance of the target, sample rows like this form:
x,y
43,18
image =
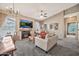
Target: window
x,y
9,26
71,28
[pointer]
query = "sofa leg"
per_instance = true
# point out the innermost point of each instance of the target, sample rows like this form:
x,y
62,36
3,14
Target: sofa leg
x,y
55,45
46,51
36,46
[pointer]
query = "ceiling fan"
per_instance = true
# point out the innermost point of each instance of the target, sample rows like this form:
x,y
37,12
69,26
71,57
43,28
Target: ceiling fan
x,y
43,13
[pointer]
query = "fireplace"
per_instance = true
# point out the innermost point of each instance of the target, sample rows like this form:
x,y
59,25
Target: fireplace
x,y
25,34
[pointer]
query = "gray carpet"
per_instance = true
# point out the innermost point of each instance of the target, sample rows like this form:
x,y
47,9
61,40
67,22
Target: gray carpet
x,y
27,48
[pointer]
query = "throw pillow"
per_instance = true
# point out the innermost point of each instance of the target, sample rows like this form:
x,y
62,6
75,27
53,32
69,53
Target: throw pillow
x,y
43,34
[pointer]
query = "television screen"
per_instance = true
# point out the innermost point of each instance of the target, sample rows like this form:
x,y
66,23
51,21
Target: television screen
x,y
25,24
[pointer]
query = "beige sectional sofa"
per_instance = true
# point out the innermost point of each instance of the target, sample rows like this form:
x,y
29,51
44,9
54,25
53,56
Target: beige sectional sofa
x,y
47,43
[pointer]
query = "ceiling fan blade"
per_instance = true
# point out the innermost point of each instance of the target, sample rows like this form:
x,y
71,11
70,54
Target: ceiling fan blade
x,y
41,14
41,10
45,16
45,13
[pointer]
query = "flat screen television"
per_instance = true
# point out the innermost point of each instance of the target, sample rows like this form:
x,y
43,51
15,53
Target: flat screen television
x,y
26,23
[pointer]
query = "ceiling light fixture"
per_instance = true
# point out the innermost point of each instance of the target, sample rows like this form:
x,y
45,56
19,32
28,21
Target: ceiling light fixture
x,y
11,10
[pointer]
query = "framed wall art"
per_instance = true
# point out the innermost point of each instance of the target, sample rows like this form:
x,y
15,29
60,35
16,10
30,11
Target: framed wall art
x,y
51,26
56,26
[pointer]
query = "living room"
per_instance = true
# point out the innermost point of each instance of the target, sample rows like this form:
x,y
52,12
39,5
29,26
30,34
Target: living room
x,y
40,29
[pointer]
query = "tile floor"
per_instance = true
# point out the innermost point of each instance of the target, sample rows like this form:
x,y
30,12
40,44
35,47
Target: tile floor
x,y
64,48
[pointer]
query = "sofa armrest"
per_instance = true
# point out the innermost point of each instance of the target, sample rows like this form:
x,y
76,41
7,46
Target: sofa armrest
x,y
51,42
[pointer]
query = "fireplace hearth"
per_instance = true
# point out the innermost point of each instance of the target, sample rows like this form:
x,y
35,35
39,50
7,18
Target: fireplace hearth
x,y
25,34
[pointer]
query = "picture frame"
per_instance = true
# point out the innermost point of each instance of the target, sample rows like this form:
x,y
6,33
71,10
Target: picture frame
x,y
56,26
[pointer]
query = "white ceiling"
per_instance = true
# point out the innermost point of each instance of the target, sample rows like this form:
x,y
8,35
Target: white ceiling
x,y
33,9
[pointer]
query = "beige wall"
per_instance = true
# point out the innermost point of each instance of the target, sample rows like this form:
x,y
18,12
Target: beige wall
x,y
2,18
78,17
59,18
78,30
72,9
71,19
